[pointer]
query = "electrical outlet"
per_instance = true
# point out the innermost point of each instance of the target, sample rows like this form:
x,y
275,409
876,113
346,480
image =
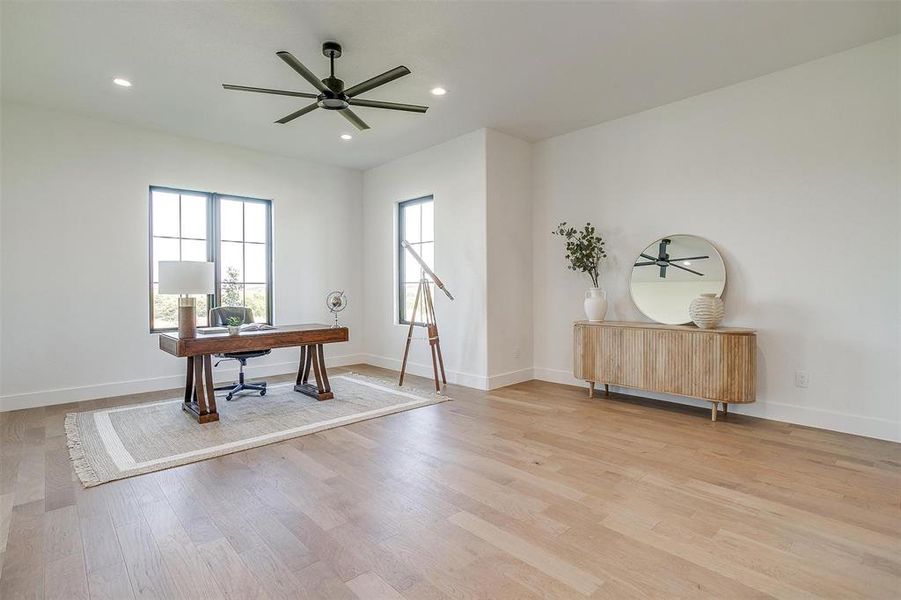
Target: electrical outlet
x,y
802,379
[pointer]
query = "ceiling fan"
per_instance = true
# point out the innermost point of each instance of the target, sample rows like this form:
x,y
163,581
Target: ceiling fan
x,y
663,260
332,95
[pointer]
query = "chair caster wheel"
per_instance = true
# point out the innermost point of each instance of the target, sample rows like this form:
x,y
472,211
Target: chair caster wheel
x,y
229,397
262,392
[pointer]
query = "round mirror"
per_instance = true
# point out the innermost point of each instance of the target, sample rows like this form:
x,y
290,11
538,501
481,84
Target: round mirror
x,y
672,272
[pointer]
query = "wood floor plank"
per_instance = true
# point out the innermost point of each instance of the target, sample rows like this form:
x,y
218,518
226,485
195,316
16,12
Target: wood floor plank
x,y
370,586
528,491
58,488
190,574
65,579
62,534
30,479
6,513
110,583
23,561
101,543
146,567
229,571
529,553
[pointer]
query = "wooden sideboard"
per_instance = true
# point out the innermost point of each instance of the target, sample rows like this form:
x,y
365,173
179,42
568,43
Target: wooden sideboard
x,y
717,365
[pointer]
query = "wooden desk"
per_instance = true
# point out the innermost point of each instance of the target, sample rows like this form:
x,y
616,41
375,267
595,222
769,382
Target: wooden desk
x,y
200,399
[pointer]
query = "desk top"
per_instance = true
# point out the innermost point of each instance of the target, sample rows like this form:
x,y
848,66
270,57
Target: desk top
x,y
283,336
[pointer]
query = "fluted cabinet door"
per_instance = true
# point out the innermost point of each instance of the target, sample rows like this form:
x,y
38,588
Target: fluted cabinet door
x,y
719,365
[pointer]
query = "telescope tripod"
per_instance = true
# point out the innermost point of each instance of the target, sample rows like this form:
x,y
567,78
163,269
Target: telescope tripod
x,y
424,297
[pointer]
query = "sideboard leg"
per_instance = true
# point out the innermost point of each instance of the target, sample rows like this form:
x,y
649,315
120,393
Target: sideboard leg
x,y
607,390
713,411
591,389
725,409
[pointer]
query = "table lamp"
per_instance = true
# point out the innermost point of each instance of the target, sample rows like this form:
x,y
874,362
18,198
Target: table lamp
x,y
186,277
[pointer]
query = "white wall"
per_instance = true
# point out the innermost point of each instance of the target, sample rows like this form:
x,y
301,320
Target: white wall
x,y
795,178
75,250
509,247
454,173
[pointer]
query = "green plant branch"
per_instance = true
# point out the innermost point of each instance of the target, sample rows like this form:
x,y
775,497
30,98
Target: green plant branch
x,y
584,250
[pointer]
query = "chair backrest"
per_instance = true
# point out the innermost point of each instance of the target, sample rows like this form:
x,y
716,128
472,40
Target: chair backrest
x,y
219,316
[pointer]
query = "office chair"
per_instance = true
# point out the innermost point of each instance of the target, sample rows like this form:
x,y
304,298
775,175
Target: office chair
x,y
218,317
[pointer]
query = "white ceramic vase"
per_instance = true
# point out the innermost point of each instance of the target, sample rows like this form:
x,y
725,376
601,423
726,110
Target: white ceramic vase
x,y
595,304
707,311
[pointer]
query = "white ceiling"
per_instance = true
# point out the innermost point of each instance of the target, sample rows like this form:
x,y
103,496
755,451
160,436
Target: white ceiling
x,y
531,69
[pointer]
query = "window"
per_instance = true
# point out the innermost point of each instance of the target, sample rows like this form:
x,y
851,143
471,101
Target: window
x,y
415,224
231,231
244,259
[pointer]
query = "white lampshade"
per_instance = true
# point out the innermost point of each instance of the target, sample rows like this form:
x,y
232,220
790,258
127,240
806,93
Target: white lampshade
x,y
186,277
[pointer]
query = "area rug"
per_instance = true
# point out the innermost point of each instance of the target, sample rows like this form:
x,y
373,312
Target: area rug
x,y
119,442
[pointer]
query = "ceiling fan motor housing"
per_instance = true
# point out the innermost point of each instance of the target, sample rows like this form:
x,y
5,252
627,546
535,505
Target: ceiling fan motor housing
x,y
334,98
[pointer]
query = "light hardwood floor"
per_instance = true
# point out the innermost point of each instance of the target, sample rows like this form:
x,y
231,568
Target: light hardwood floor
x,y
529,491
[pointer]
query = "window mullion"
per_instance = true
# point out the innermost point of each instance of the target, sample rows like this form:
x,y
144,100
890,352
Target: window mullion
x,y
213,234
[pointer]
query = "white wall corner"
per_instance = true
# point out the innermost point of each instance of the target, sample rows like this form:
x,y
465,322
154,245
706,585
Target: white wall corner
x,y
511,377
479,382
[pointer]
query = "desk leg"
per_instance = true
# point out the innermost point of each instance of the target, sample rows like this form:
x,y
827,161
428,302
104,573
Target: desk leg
x,y
200,399
312,359
189,381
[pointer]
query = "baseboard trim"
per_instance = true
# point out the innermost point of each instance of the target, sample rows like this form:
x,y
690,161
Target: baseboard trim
x,y
151,384
873,427
509,378
479,382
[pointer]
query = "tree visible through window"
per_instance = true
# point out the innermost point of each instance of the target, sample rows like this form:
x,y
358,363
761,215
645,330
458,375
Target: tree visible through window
x,y
416,225
231,231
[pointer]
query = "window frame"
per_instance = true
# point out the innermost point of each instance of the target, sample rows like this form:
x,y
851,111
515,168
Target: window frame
x,y
401,282
214,243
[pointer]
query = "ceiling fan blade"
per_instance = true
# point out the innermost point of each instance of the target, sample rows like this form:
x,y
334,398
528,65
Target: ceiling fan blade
x,y
299,113
247,88
389,105
353,118
304,72
377,81
651,258
689,258
646,263
685,269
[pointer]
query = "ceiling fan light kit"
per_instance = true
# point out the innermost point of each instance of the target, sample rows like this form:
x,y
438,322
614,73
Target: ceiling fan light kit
x,y
332,95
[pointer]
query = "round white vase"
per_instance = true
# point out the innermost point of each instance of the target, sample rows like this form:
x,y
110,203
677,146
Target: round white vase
x,y
707,311
595,304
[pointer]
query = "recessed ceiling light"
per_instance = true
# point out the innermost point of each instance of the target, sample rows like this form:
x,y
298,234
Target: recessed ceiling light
x,y
122,82
438,91
686,263
346,136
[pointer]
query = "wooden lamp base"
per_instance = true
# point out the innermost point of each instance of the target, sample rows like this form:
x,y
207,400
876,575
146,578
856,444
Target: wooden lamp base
x,y
187,317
